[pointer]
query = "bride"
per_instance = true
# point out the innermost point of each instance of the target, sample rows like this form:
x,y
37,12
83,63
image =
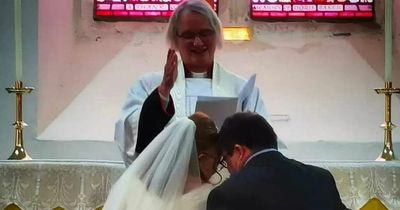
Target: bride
x,y
174,172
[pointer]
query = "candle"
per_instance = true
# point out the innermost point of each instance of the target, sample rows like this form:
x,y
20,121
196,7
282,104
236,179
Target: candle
x,y
18,39
388,40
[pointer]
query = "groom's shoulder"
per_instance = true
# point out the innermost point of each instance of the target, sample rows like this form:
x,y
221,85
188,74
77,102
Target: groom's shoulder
x,y
238,182
251,179
229,191
229,185
234,193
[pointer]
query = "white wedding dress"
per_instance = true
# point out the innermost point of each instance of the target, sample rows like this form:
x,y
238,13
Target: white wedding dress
x,y
165,176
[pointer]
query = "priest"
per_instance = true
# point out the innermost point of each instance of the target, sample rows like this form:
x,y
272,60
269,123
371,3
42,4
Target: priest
x,y
194,31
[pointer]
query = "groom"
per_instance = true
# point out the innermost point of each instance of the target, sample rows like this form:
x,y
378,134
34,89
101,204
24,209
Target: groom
x,y
262,178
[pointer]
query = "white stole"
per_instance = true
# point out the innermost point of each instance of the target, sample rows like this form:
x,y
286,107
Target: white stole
x,y
196,87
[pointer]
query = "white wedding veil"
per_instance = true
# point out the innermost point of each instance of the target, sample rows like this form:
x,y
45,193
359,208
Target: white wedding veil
x,y
161,174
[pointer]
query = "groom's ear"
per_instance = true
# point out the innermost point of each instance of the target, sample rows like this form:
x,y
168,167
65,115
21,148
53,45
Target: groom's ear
x,y
243,153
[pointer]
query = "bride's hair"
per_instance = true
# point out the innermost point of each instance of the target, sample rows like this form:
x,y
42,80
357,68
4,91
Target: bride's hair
x,y
206,137
206,132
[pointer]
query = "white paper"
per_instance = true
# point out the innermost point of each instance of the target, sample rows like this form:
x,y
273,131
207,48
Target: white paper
x,y
245,93
217,108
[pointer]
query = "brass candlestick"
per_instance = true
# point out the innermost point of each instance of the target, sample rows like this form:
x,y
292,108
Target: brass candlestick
x,y
19,152
387,153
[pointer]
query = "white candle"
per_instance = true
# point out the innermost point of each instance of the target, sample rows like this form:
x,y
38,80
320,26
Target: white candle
x,y
388,40
18,39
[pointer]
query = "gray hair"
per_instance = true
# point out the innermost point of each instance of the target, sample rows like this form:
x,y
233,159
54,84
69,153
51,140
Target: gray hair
x,y
194,6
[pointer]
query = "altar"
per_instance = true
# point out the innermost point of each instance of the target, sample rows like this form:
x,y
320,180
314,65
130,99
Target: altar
x,y
84,185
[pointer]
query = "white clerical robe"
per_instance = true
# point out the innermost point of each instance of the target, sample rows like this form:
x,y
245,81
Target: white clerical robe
x,y
183,93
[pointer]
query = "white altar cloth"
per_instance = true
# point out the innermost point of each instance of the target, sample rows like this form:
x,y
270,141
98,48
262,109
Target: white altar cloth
x,y
83,185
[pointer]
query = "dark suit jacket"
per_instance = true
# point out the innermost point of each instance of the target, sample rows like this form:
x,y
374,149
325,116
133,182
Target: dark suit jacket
x,y
272,181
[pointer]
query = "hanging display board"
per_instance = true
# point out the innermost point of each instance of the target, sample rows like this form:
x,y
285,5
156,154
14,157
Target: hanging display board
x,y
323,10
133,10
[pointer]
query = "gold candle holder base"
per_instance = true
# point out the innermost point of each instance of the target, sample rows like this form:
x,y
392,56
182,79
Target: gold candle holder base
x,y
387,153
19,152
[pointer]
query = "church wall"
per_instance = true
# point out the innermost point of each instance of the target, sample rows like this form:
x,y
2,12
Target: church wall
x,y
396,31
36,149
55,51
71,53
302,93
7,76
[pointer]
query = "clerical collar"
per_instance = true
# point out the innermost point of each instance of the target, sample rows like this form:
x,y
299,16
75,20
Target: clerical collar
x,y
199,75
189,74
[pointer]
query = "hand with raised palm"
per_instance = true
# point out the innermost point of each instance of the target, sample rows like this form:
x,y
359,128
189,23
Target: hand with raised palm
x,y
170,74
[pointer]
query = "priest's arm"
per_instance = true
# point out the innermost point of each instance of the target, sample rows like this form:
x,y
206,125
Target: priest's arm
x,y
143,105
